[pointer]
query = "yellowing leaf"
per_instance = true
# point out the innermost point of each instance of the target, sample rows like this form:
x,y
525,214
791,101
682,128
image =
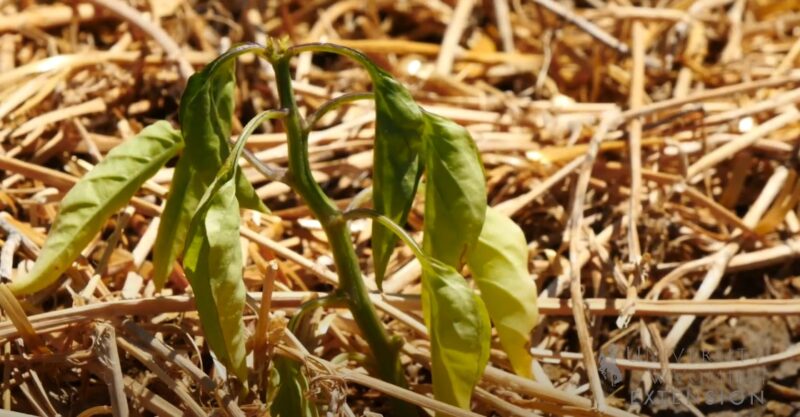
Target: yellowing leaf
x,y
100,193
455,206
460,333
499,265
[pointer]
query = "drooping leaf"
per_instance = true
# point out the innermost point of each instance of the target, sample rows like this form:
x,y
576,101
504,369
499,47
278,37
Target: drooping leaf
x,y
455,190
206,111
457,321
247,195
213,265
213,259
396,166
455,207
460,332
499,265
225,267
100,193
290,399
197,271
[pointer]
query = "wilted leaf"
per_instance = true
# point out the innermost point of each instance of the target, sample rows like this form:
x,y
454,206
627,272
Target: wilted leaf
x,y
206,111
455,190
460,333
100,193
396,166
213,260
499,265
213,265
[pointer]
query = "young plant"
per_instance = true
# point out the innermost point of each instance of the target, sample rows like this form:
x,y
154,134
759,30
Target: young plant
x,y
201,219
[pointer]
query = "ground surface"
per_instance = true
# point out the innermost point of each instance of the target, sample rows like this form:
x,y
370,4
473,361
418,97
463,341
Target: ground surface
x,y
688,106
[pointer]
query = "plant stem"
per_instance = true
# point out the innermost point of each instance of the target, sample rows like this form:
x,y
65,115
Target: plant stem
x,y
360,213
335,104
299,168
384,349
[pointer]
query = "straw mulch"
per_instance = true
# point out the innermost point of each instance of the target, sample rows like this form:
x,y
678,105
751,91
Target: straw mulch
x,y
649,152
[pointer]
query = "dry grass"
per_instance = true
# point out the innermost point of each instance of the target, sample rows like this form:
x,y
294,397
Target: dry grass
x,y
648,151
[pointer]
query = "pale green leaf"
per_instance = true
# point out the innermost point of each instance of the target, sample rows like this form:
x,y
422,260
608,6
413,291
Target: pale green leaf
x,y
460,333
225,270
98,195
196,266
499,265
213,265
455,190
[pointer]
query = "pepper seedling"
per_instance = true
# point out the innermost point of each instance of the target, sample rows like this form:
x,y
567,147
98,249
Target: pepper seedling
x,y
201,219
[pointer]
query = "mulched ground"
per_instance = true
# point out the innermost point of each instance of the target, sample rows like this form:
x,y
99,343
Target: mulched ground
x,y
688,107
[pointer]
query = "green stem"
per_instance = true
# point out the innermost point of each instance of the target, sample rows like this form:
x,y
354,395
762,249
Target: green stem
x,y
351,53
299,167
269,172
384,349
334,104
360,213
333,300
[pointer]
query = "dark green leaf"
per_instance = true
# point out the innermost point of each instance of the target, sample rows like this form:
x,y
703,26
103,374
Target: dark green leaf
x,y
396,166
213,260
499,265
292,386
460,332
206,112
455,190
100,193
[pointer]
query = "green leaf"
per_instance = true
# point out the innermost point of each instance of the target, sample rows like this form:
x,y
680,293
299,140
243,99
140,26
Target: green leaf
x,y
455,317
291,400
247,195
499,265
455,190
460,332
396,166
98,195
213,264
206,112
213,260
455,207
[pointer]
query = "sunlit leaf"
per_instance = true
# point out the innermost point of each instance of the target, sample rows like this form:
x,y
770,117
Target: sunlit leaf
x,y
455,190
396,167
206,112
499,265
460,333
213,260
457,321
213,264
455,206
98,195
